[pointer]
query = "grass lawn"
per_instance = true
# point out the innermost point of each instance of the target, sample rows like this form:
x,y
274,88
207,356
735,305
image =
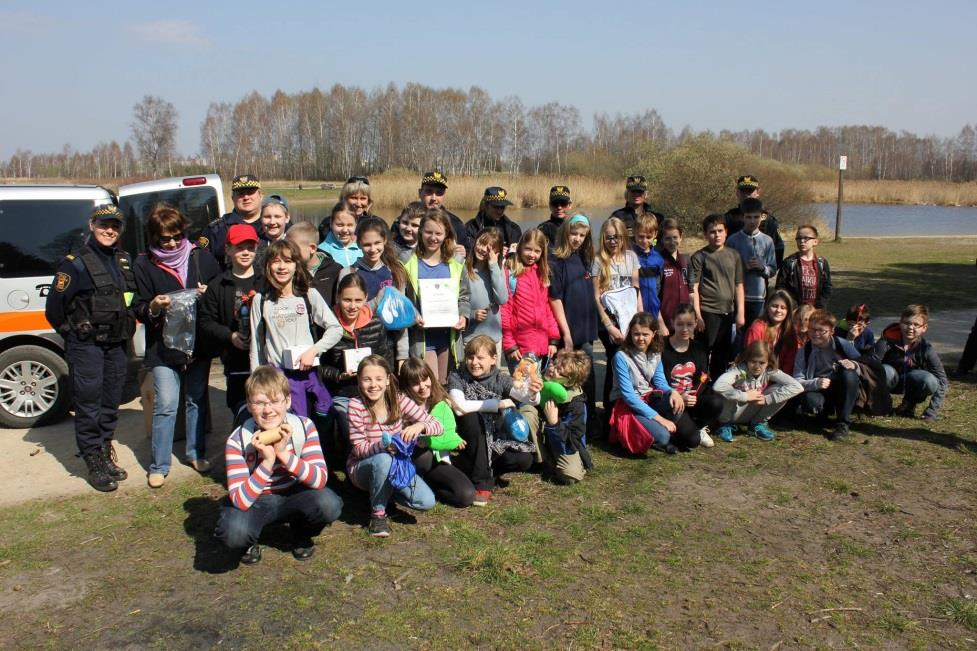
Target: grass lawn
x,y
798,543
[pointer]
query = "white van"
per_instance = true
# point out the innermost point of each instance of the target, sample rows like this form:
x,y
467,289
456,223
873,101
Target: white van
x,y
39,225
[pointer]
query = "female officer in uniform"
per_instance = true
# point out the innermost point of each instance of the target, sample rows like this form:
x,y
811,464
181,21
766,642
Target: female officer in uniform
x,y
89,305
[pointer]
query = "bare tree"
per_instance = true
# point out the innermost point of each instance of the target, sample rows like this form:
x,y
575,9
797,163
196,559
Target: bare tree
x,y
154,130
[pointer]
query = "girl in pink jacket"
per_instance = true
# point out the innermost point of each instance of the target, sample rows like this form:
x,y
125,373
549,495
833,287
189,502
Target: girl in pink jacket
x,y
528,324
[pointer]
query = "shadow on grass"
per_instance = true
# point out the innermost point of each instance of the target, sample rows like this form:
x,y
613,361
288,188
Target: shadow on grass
x,y
947,440
889,289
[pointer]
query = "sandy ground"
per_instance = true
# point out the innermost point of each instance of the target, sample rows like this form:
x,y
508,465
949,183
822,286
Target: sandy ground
x,y
46,464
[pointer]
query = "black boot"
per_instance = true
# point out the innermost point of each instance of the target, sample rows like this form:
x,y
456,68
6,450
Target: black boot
x,y
98,473
115,471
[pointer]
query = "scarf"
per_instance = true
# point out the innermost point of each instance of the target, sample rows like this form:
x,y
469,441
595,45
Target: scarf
x,y
177,261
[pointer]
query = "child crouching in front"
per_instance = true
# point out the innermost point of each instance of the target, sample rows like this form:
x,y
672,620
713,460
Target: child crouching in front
x,y
565,428
753,391
481,395
383,427
275,481
912,366
646,410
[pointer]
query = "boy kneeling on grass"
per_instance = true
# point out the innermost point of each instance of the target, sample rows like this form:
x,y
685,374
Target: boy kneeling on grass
x,y
565,418
278,481
912,366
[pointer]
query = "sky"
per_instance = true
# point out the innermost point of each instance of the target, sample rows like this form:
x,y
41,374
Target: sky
x,y
73,71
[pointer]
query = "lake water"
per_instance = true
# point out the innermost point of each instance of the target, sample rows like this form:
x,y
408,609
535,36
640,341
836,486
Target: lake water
x,y
858,220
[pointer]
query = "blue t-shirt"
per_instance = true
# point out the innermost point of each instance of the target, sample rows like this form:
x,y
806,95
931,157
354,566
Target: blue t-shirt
x,y
649,277
571,282
434,338
375,279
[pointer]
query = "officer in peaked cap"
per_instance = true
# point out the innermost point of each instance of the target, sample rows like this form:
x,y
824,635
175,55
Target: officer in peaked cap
x,y
635,198
246,196
491,214
434,186
560,206
89,306
748,187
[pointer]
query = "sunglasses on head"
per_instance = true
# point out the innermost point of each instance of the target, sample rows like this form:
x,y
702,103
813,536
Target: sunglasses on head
x,y
358,179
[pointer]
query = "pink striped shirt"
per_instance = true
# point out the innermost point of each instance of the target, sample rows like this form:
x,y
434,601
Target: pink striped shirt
x,y
245,487
365,435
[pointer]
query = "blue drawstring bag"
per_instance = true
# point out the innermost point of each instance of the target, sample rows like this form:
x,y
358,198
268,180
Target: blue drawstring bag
x,y
402,469
395,311
516,425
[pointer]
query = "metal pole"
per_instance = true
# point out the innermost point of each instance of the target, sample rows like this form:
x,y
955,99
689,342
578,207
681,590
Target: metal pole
x,y
838,210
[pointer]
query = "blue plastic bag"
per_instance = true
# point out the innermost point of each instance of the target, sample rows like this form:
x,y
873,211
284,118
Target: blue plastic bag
x,y
395,310
402,468
516,425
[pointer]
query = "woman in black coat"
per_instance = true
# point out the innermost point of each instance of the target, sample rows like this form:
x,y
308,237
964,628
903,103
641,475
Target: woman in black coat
x,y
172,263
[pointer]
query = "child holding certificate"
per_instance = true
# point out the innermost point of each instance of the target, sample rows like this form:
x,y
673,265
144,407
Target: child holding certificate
x,y
443,293
528,324
363,335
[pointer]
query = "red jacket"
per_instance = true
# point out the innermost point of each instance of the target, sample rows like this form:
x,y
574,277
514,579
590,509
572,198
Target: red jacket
x,y
527,318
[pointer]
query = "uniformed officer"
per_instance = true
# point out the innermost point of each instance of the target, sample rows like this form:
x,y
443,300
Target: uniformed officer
x,y
246,196
89,306
748,187
434,186
635,203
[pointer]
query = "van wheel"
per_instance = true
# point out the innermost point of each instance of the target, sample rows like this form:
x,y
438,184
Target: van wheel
x,y
33,386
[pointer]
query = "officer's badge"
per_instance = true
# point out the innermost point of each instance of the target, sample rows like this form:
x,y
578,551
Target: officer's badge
x,y
61,281
203,242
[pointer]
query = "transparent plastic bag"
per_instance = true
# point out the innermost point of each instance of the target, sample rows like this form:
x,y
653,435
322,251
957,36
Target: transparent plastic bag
x,y
180,322
525,372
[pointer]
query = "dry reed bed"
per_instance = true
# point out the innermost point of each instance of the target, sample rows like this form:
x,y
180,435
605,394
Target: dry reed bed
x,y
898,192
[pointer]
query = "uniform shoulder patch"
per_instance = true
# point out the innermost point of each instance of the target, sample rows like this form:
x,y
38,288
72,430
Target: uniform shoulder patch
x,y
203,242
61,281
69,257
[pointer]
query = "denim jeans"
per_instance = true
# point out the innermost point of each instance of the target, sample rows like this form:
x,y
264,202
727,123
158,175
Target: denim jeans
x,y
371,474
307,510
918,386
166,386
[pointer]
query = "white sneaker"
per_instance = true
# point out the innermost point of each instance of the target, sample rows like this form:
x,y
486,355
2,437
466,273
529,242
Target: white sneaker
x,y
704,439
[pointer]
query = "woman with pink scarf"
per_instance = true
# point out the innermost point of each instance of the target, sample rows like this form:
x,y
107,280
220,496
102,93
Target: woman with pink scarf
x,y
172,263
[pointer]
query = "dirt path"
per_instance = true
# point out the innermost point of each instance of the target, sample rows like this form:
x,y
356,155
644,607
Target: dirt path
x,y
46,464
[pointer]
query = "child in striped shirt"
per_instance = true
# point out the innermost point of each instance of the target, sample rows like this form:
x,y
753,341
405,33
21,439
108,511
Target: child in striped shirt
x,y
268,483
379,414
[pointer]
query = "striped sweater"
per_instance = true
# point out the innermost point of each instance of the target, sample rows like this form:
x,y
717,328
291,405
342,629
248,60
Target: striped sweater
x,y
245,486
365,434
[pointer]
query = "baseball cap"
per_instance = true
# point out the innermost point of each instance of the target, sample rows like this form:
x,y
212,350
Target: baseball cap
x,y
241,233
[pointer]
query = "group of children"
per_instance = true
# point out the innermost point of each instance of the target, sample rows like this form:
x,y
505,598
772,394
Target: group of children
x,y
421,414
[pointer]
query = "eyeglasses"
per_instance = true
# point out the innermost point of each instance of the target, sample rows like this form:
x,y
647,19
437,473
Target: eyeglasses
x,y
611,238
109,226
912,324
166,239
803,238
563,204
264,404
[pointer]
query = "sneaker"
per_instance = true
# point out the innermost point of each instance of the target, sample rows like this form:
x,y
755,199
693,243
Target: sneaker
x,y
201,465
251,555
482,498
726,433
704,439
930,418
303,550
378,527
762,432
840,433
667,448
906,410
156,479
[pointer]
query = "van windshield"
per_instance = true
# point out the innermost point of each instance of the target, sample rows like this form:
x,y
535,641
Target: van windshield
x,y
37,234
198,204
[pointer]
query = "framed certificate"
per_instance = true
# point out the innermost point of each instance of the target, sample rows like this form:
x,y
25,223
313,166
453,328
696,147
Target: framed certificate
x,y
439,302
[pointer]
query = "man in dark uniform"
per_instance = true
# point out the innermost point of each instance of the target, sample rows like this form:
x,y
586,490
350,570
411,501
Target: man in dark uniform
x,y
246,197
434,185
492,215
560,206
748,187
635,196
89,307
